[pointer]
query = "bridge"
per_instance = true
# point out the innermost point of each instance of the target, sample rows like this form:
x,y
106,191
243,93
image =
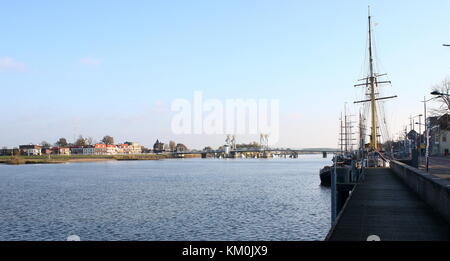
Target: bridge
x,y
232,153
231,150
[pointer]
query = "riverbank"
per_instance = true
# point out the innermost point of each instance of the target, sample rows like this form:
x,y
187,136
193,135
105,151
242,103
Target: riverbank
x,y
59,159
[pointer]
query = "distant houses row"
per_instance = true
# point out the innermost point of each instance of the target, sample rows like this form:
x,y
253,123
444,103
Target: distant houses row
x,y
160,147
96,149
439,137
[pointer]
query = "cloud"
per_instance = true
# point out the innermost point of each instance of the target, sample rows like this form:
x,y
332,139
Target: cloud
x,y
90,61
9,64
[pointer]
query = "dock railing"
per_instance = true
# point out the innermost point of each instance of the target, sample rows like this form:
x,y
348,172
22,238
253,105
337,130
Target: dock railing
x,y
431,189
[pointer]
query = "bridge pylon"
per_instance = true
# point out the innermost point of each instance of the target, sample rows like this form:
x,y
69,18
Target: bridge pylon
x,y
264,141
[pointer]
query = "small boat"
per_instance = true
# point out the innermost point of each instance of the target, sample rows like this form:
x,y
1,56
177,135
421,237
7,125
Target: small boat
x,y
325,176
343,173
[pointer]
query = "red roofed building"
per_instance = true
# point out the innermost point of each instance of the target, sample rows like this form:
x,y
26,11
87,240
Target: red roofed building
x,y
111,149
103,149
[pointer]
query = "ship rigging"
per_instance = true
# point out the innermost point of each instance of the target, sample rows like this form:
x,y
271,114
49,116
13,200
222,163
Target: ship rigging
x,y
372,83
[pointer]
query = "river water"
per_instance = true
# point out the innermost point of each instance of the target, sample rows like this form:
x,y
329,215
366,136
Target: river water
x,y
187,200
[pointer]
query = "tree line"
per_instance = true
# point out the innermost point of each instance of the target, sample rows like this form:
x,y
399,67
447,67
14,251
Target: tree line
x,y
80,141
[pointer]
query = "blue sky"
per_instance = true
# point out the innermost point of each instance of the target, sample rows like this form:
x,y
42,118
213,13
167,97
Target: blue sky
x,y
114,67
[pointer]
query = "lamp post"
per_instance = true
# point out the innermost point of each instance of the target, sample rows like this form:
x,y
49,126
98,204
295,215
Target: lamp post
x,y
420,135
427,128
412,119
415,151
427,131
444,96
411,123
420,125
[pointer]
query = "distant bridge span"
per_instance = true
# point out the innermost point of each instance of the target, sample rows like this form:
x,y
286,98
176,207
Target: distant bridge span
x,y
286,151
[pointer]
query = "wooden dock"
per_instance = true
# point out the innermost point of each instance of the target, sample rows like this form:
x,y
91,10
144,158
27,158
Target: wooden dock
x,y
384,206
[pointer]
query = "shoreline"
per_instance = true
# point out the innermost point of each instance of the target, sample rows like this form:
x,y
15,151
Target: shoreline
x,y
60,159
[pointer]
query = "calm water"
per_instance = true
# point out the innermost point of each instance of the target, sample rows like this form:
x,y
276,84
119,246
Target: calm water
x,y
192,199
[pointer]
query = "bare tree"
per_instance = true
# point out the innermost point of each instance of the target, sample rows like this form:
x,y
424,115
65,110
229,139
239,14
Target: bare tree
x,y
172,145
45,144
80,141
61,142
442,102
90,141
108,140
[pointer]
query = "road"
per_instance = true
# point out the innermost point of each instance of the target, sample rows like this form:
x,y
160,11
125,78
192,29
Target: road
x,y
438,166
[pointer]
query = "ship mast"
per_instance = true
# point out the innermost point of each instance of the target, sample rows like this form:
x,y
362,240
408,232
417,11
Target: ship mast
x,y
341,140
372,82
373,137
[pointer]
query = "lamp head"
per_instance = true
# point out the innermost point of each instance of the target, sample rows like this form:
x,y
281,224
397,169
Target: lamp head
x,y
436,93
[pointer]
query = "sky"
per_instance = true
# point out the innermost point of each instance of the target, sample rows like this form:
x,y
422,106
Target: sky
x,y
96,68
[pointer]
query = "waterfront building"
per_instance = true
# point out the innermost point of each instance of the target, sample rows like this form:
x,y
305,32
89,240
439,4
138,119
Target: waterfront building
x,y
444,148
76,150
88,150
8,151
181,148
123,149
100,149
103,149
46,151
96,149
440,135
30,150
146,150
111,149
134,147
158,147
413,135
61,150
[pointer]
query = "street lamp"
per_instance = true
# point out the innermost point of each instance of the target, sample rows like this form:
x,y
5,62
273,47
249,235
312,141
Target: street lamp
x,y
420,125
420,131
414,152
439,93
412,121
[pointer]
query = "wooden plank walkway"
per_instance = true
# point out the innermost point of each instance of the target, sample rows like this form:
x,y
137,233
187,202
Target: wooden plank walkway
x,y
382,205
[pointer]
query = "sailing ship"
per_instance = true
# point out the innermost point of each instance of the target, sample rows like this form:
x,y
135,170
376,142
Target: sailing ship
x,y
371,152
372,83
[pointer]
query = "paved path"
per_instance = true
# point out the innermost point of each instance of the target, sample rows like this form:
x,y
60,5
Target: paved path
x,y
438,166
382,205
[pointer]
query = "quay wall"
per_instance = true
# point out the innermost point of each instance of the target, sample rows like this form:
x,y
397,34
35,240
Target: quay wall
x,y
433,190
